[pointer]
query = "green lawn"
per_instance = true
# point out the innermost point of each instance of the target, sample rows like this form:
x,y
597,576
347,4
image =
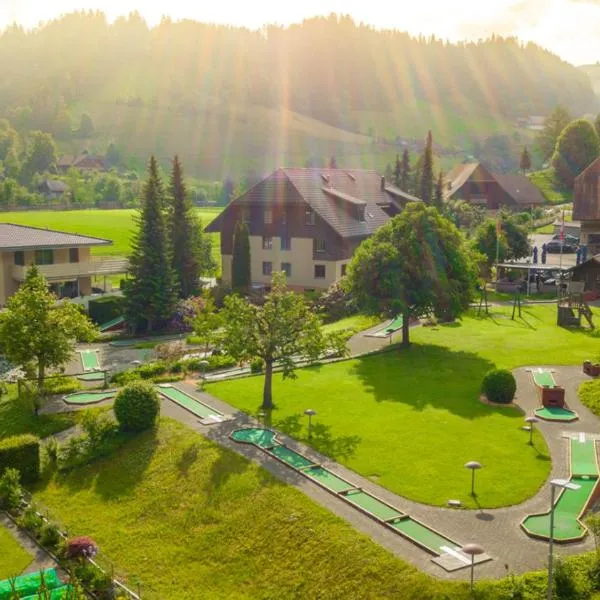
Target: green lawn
x,y
546,183
355,322
13,559
392,416
589,394
193,520
116,225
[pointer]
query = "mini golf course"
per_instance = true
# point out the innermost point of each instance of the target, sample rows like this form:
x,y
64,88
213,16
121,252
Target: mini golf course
x,y
111,324
571,504
89,397
92,376
446,552
552,397
556,413
543,378
89,360
388,329
28,586
207,414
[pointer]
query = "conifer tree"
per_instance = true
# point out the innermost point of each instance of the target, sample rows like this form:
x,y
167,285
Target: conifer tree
x,y
525,162
405,171
333,163
240,260
397,171
438,198
151,291
427,179
184,234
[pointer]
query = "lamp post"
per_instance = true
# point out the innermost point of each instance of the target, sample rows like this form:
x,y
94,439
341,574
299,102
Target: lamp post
x,y
261,416
203,365
310,413
532,421
564,484
472,550
474,466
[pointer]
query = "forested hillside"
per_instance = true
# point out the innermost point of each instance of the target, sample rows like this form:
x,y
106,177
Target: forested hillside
x,y
231,99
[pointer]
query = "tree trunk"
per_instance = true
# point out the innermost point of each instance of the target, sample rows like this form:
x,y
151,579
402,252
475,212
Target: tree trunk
x,y
268,387
405,328
40,384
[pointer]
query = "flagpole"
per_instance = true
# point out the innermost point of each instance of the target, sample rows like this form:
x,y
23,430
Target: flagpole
x,y
562,239
498,229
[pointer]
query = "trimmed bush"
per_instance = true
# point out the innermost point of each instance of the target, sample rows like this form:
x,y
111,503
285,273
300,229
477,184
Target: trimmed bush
x,y
137,406
21,452
499,386
105,309
256,366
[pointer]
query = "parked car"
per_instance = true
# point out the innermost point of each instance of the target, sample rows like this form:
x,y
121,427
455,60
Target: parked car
x,y
569,239
553,247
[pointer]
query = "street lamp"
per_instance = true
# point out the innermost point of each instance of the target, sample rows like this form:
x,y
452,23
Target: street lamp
x,y
310,413
563,484
261,416
473,465
472,550
532,421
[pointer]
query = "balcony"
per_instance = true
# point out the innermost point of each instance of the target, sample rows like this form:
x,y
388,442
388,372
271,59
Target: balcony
x,y
68,271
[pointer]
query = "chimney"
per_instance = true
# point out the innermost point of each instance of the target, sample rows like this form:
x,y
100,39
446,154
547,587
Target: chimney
x,y
383,184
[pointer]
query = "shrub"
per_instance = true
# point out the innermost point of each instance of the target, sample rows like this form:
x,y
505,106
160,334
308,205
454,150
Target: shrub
x,y
10,489
51,449
49,536
499,386
31,520
168,378
81,547
335,304
21,452
256,366
137,406
73,452
222,361
100,427
105,309
170,351
62,385
94,580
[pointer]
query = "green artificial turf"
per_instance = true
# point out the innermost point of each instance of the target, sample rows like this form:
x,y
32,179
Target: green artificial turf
x,y
410,419
13,559
192,520
425,536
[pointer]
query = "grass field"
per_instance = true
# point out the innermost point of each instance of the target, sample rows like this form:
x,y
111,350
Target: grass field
x,y
589,393
544,180
116,225
355,322
13,559
193,520
393,415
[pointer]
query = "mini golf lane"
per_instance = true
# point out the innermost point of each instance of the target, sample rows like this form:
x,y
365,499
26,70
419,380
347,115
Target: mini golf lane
x,y
89,360
186,401
88,397
554,413
543,378
571,504
388,329
447,553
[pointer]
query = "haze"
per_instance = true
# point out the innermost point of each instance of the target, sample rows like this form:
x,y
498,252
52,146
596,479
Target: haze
x,y
565,27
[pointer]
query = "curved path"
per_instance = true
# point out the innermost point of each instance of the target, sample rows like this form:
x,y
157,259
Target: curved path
x,y
497,530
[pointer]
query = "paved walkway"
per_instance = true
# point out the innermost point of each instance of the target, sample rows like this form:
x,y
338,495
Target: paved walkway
x,y
497,530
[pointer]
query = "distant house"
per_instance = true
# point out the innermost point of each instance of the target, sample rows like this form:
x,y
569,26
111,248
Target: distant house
x,y
63,258
589,273
477,185
53,189
82,162
532,122
307,223
586,206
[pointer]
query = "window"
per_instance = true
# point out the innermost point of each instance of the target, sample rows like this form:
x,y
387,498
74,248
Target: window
x,y
286,243
267,268
361,213
73,255
344,270
20,258
287,269
321,246
268,216
309,216
245,216
284,218
319,271
267,243
44,257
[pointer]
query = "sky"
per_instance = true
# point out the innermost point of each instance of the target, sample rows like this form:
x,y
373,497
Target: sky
x,y
568,28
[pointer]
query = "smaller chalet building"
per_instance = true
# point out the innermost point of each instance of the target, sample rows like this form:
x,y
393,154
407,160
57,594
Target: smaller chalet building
x,y
589,273
307,223
586,206
477,185
82,162
53,189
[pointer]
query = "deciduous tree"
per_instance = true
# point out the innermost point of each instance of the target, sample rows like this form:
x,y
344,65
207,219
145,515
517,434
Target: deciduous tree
x,y
151,291
41,155
554,124
279,332
415,264
37,333
207,322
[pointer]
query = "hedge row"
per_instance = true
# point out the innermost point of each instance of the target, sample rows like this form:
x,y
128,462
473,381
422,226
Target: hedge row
x,y
105,309
21,452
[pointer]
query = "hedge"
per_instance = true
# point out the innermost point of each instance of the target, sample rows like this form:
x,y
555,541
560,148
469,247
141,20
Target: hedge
x,y
105,309
21,452
499,386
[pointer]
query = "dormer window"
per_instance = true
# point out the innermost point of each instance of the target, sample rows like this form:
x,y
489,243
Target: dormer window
x,y
309,216
361,213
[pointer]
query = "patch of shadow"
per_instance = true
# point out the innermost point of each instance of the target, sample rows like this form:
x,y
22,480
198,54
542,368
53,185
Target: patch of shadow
x,y
340,447
483,516
188,458
291,426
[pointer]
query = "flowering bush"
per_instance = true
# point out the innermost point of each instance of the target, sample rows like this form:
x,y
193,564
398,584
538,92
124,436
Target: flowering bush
x,y
184,314
81,547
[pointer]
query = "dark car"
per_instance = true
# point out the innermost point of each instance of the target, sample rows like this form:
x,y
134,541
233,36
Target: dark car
x,y
569,239
553,247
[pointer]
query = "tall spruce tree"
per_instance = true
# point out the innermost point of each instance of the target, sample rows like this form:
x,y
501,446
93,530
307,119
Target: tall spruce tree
x,y
525,161
405,171
427,177
151,291
241,276
438,197
184,234
397,171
